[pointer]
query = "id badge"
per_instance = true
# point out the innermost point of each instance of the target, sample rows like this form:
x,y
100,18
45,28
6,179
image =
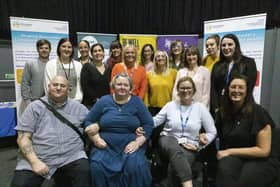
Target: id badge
x,y
182,140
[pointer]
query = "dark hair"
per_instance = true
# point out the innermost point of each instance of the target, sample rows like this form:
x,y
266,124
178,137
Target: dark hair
x,y
193,50
226,105
237,54
85,42
61,41
173,44
41,42
142,53
115,44
96,44
183,79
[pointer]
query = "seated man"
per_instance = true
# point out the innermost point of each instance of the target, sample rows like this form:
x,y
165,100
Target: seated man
x,y
48,147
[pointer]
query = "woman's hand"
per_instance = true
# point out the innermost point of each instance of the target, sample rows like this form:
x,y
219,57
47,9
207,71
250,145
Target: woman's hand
x,y
131,147
203,139
98,141
139,131
223,153
92,129
190,147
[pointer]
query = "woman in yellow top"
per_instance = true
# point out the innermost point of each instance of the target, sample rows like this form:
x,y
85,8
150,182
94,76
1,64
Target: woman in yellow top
x,y
212,48
160,83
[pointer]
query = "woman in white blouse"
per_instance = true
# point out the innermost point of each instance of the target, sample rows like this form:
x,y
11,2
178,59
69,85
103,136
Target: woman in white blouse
x,y
66,66
199,74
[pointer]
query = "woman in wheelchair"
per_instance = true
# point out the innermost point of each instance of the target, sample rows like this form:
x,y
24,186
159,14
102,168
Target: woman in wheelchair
x,y
180,140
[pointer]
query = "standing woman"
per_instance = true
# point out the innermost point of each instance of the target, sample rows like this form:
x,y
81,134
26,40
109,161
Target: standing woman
x,y
245,132
231,62
147,56
115,54
133,70
66,66
176,56
95,77
84,51
199,74
160,83
212,48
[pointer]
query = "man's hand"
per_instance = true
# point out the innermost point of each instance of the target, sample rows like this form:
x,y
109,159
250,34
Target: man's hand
x,y
40,168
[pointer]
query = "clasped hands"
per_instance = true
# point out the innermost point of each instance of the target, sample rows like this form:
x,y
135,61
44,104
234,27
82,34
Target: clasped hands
x,y
92,131
202,140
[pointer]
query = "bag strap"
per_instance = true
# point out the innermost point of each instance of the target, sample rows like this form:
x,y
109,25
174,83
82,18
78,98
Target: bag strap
x,y
63,119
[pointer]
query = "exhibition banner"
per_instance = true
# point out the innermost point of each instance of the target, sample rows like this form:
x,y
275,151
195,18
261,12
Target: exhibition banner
x,y
92,38
164,41
24,33
138,40
251,33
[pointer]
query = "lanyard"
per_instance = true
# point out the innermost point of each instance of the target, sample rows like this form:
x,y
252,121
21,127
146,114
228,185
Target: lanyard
x,y
229,71
184,122
227,77
67,76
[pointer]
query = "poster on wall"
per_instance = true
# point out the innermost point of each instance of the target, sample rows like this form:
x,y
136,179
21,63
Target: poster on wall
x,y
138,40
24,33
92,38
164,41
251,33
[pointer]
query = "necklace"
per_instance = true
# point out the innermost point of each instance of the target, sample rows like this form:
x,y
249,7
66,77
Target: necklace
x,y
120,103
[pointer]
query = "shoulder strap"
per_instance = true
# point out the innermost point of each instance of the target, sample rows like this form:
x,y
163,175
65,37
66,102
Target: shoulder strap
x,y
63,119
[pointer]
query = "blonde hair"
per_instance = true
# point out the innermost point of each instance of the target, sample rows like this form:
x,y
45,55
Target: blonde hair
x,y
155,61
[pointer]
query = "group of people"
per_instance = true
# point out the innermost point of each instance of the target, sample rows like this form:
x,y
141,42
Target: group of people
x,y
119,103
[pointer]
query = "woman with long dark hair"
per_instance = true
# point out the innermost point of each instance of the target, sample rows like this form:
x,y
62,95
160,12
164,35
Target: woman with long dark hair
x,y
231,62
245,133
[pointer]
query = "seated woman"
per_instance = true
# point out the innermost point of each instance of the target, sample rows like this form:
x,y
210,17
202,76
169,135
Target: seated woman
x,y
244,129
118,157
180,140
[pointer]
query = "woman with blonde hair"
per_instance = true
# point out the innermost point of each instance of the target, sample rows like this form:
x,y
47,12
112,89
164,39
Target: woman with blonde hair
x,y
160,83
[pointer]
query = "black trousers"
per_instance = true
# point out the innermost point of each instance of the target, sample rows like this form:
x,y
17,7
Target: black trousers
x,y
179,159
234,171
74,174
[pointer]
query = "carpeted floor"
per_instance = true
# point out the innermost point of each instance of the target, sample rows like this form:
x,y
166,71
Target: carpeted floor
x,y
8,159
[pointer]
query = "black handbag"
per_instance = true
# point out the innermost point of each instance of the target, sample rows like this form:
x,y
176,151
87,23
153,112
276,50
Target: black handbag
x,y
64,120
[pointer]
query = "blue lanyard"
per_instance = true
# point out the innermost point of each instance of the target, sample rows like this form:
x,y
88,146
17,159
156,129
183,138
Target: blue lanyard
x,y
229,71
184,123
227,78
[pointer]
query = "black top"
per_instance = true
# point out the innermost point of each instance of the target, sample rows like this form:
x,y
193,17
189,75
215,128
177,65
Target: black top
x,y
246,66
238,131
94,84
